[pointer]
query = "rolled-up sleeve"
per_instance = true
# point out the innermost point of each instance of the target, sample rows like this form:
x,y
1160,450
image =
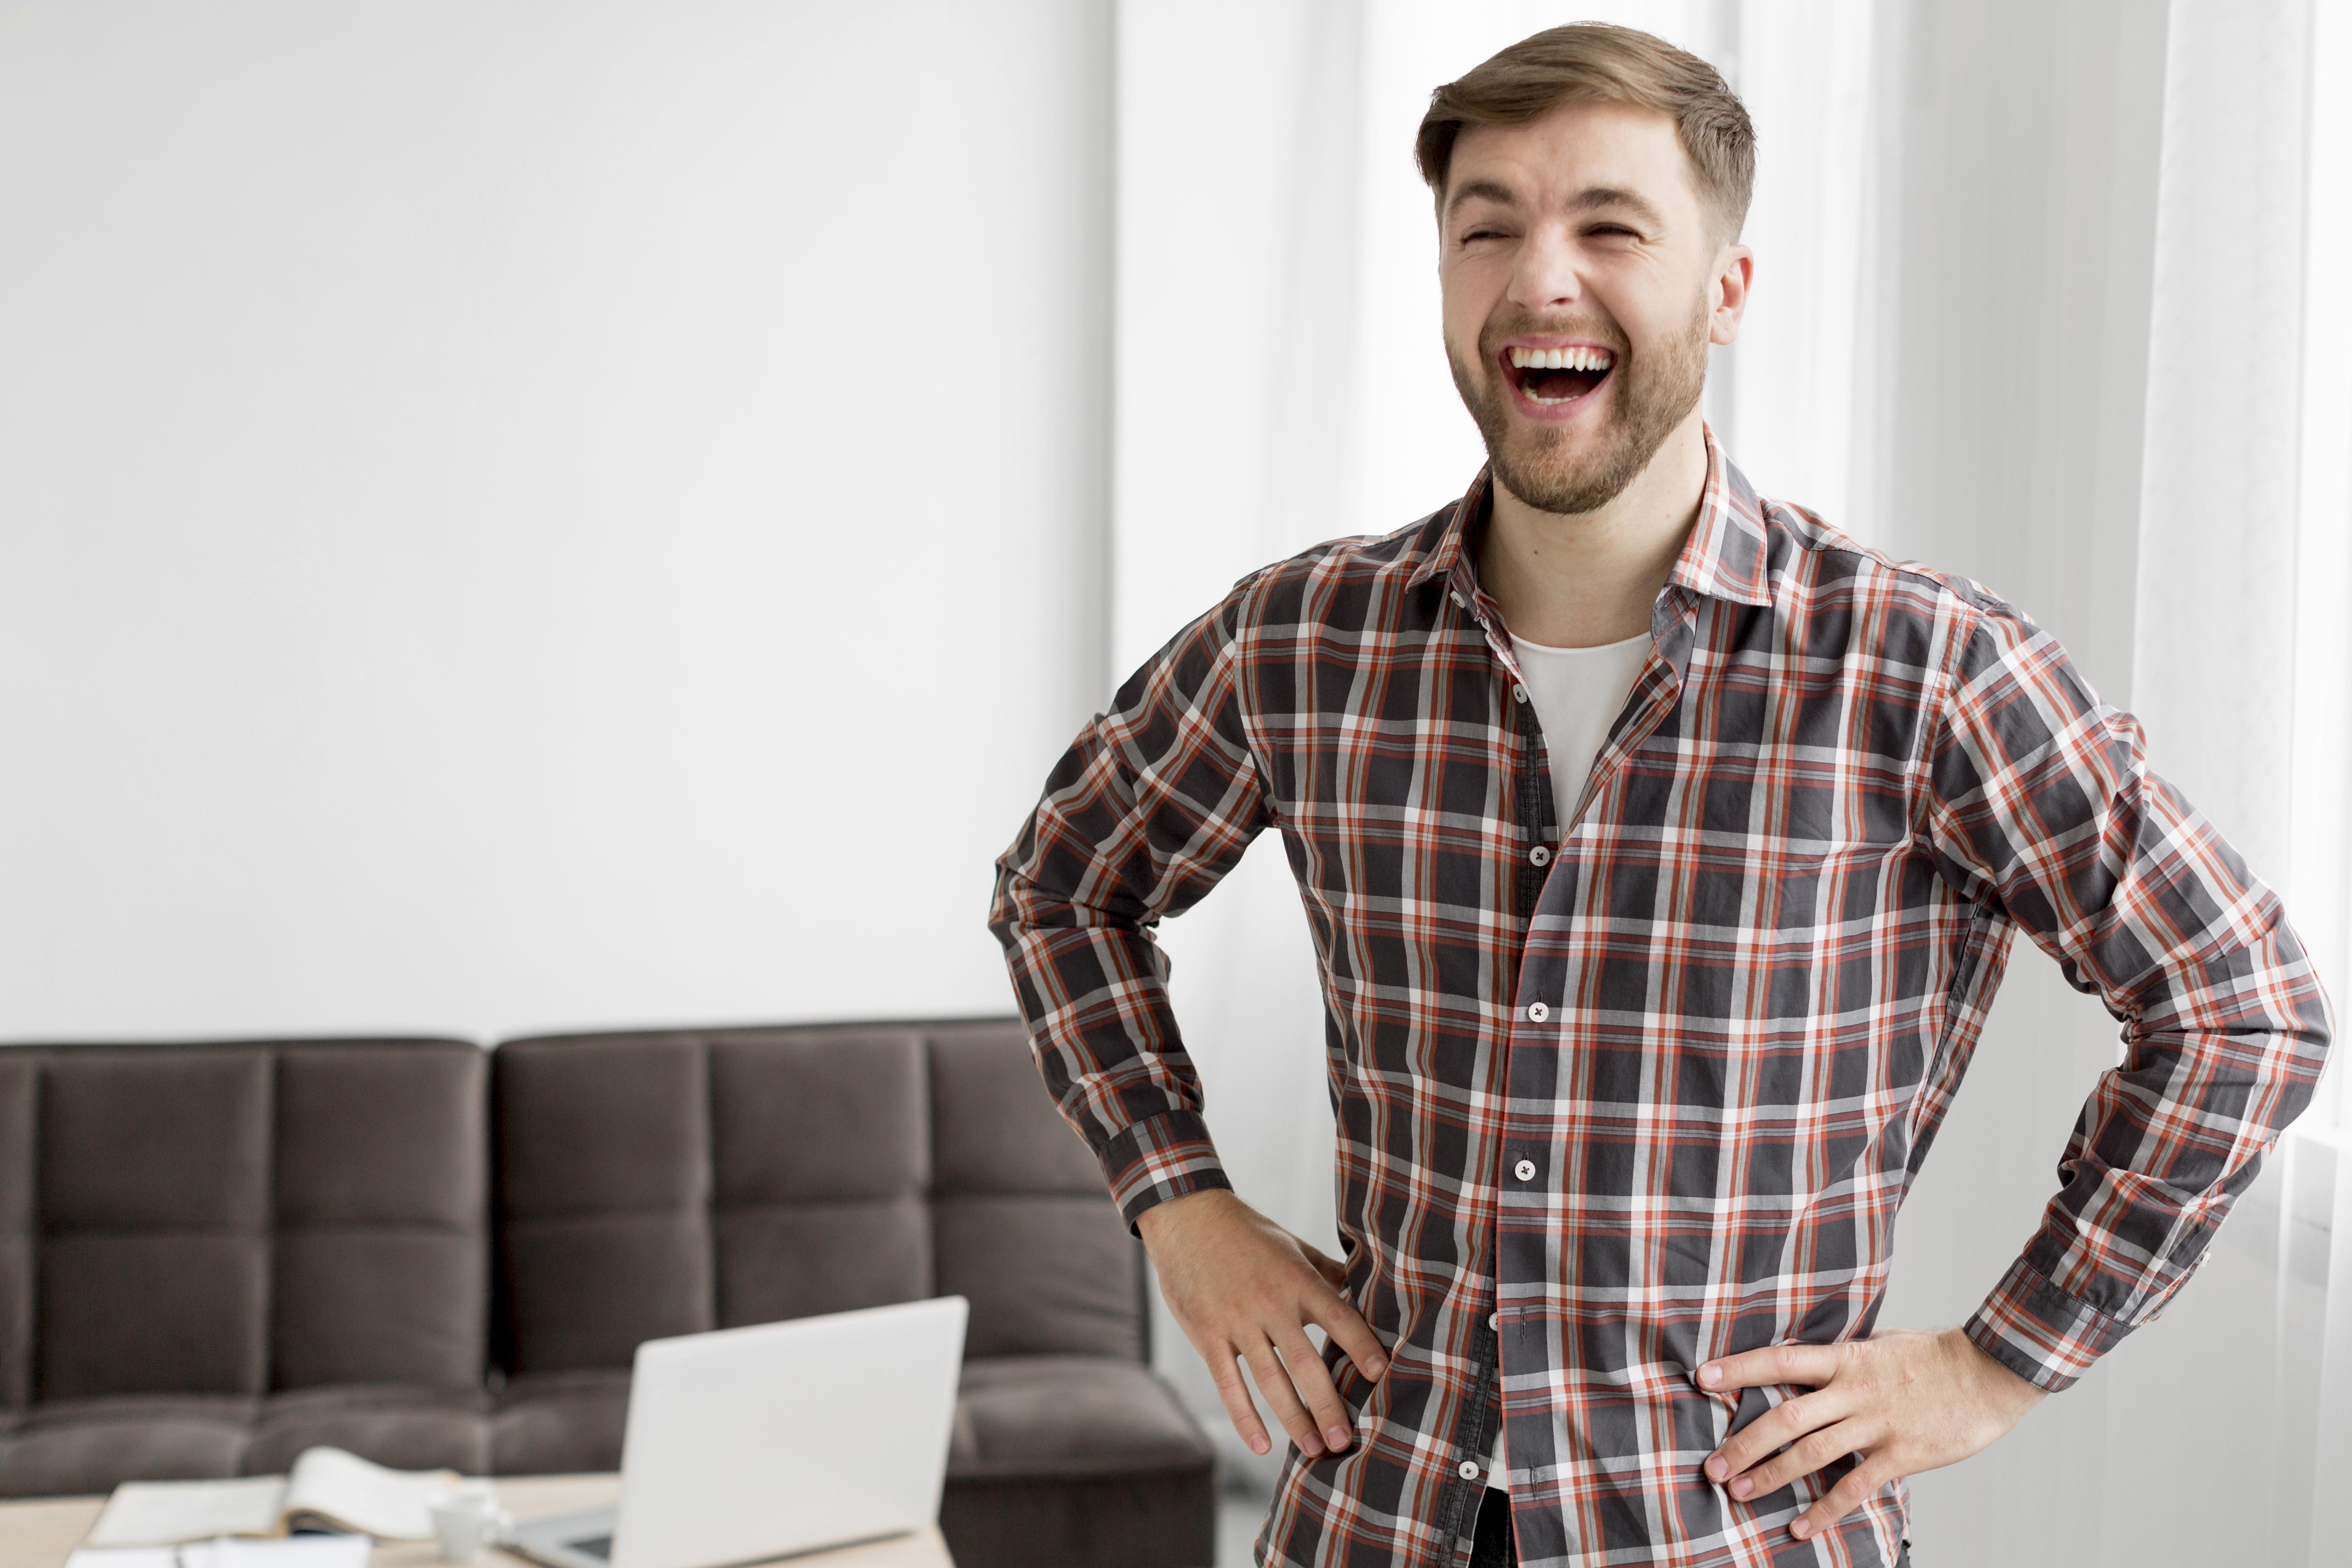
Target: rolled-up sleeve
x,y
1151,805
2041,805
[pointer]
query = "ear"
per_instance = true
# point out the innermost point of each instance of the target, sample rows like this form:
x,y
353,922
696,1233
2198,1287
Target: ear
x,y
1728,294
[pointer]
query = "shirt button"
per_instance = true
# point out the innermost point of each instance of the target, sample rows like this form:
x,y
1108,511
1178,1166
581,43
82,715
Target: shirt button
x,y
1540,855
1494,1320
1519,694
1458,604
1537,1012
1467,1471
1525,1169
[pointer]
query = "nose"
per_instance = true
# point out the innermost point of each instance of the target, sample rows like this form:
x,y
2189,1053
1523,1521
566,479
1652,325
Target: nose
x,y
1545,277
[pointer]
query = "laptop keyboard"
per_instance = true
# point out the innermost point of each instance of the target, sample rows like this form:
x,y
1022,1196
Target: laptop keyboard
x,y
594,1546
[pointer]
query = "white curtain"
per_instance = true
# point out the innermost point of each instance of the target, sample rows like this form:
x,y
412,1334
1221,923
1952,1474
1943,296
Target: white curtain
x,y
2031,306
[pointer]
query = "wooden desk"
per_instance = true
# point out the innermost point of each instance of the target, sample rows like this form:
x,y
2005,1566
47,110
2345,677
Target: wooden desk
x,y
39,1534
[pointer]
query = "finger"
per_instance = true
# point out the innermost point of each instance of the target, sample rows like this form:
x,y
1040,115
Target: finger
x,y
1273,1387
1334,1272
1312,1381
1351,1334
1814,1364
1862,1483
1776,1428
1226,1372
1815,1449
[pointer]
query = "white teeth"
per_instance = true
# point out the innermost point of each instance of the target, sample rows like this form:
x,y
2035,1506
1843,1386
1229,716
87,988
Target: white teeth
x,y
1561,359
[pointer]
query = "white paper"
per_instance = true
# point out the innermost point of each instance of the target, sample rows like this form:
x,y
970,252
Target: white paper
x,y
157,1513
228,1551
390,1505
292,1552
123,1557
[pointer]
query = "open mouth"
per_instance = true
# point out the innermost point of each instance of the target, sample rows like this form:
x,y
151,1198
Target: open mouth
x,y
1551,378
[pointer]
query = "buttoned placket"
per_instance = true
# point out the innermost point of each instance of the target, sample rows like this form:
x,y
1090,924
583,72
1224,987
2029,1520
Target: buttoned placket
x,y
1672,622
1533,809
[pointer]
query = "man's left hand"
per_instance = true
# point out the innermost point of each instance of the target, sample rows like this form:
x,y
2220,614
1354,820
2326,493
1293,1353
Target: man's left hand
x,y
1904,1402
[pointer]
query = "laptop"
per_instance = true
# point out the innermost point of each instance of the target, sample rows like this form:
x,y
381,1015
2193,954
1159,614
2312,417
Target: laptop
x,y
748,1444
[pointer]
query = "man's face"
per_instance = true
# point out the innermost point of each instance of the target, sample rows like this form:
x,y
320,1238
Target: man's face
x,y
1584,281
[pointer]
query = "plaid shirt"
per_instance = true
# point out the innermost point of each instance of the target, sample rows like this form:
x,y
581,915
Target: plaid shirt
x,y
1648,1075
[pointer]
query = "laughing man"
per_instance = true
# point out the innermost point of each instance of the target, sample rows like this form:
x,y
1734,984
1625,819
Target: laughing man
x,y
1663,849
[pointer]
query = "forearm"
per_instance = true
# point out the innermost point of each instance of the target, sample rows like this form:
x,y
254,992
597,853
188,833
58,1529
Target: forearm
x,y
2225,1054
2042,806
1093,990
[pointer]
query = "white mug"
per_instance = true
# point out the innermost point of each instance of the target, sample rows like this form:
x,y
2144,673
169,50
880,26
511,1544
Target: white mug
x,y
466,1520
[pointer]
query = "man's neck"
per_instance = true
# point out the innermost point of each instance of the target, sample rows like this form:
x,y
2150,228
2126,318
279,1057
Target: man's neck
x,y
1584,579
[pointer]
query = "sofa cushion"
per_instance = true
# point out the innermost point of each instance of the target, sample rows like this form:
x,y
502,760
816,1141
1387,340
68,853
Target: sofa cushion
x,y
19,1150
1045,1273
1024,1228
1075,1459
559,1423
1016,1416
381,1270
408,1428
238,1217
661,1183
85,1445
603,1196
154,1217
1069,1416
821,1163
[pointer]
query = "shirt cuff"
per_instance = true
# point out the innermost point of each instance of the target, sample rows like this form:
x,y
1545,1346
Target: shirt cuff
x,y
2038,1331
1160,1158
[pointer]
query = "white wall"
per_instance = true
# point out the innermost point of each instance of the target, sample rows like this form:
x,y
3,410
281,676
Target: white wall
x,y
538,514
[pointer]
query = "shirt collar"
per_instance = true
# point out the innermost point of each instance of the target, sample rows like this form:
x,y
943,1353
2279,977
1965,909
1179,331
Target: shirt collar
x,y
1724,556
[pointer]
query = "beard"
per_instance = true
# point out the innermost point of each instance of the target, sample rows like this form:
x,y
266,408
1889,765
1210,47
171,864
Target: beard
x,y
1656,391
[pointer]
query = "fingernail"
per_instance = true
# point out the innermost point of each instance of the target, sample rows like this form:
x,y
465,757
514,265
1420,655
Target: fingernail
x,y
1718,1468
1375,1366
1312,1450
1802,1529
1337,1437
1257,1445
1709,1375
1741,1488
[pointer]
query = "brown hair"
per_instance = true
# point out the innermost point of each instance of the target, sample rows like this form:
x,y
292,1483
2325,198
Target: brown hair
x,y
1598,62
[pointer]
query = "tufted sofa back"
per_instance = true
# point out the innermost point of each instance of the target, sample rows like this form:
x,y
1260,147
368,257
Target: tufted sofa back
x,y
241,1218
666,1182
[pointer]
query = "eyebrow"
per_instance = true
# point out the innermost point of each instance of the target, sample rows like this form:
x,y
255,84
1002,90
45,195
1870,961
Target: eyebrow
x,y
1593,196
1491,190
1586,200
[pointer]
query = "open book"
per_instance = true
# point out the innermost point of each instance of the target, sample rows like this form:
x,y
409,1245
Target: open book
x,y
329,1490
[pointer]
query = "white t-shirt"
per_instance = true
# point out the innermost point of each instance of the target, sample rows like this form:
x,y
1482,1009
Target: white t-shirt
x,y
1577,693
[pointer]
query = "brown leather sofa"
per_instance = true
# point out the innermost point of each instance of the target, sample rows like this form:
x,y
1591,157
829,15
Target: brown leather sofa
x,y
214,1256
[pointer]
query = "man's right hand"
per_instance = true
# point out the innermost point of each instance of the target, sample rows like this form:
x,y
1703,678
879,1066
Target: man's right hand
x,y
1244,1289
